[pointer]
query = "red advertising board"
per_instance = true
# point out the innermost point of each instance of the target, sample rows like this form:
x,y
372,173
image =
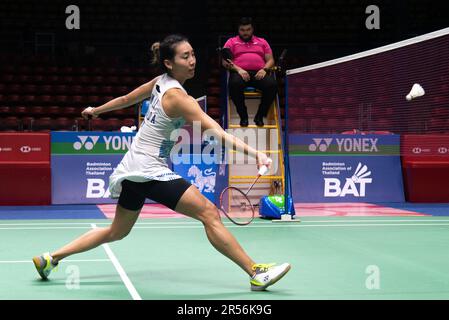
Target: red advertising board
x,y
25,169
425,163
24,147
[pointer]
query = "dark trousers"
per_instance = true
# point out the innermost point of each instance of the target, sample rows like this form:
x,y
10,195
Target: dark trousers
x,y
237,85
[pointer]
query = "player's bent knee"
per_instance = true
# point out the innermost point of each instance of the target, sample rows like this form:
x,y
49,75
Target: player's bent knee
x,y
115,235
210,214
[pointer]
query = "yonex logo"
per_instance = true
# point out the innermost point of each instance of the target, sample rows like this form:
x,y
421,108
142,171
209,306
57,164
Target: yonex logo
x,y
88,145
417,150
320,144
442,150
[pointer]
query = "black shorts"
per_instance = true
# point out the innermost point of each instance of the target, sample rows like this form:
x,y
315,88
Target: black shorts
x,y
168,193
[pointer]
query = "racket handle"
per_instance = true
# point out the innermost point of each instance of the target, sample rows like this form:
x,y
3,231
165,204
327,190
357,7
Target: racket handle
x,y
264,169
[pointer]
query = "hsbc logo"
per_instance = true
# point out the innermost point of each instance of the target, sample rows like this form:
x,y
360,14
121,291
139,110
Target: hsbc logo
x,y
25,149
88,142
28,149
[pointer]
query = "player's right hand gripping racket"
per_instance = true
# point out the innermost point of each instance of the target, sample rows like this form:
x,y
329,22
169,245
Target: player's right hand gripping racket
x,y
235,204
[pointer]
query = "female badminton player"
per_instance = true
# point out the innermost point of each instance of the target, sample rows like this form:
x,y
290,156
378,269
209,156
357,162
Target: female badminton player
x,y
144,173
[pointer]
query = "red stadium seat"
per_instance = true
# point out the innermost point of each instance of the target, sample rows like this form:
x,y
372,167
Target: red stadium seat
x,y
54,79
436,125
62,123
13,99
70,111
45,100
30,89
93,100
5,111
37,111
317,125
68,80
29,99
129,122
37,79
214,91
7,78
77,100
54,111
106,90
80,124
112,80
42,124
52,70
62,89
60,100
10,124
306,102
327,112
98,80
105,99
381,124
121,90
92,90
83,80
333,125
214,112
297,126
342,112
213,102
15,89
75,90
112,124
97,124
350,124
21,111
67,70
306,91
27,123
294,112
440,112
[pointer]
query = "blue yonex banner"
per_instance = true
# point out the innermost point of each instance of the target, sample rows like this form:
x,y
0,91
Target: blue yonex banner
x,y
82,163
345,168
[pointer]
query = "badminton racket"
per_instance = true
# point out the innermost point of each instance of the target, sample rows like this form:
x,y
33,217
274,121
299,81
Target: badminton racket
x,y
235,204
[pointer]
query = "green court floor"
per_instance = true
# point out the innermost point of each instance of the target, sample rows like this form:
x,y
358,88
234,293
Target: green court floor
x,y
332,258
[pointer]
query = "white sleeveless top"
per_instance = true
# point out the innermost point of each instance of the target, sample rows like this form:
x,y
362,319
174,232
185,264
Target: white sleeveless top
x,y
146,158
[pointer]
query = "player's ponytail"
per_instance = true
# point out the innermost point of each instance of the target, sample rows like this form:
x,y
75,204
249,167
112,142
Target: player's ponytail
x,y
155,52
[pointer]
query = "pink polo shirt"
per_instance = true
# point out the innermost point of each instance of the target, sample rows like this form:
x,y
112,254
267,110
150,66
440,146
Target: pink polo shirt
x,y
249,55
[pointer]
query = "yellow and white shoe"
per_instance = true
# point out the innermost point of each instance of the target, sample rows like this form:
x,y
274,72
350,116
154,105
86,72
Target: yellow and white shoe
x,y
44,264
267,274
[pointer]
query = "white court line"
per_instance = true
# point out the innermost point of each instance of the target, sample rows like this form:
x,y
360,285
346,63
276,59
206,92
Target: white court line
x,y
260,225
134,294
424,219
296,225
63,261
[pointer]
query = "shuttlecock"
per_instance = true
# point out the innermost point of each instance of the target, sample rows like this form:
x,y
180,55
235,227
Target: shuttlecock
x,y
127,129
417,91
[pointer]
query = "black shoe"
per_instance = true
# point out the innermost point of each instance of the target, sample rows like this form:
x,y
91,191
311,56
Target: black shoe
x,y
243,122
258,121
